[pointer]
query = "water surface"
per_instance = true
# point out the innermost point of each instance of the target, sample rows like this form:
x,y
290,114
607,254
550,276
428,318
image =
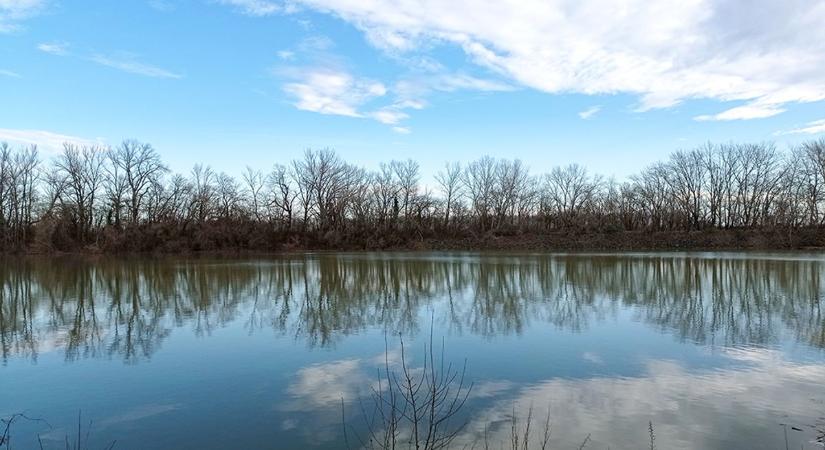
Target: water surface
x,y
717,350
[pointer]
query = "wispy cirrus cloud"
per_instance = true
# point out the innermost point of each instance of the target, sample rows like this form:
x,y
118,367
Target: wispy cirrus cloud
x,y
450,82
12,12
389,116
9,73
744,112
54,48
589,112
163,6
335,92
258,8
815,127
411,91
123,61
413,88
128,63
765,56
323,85
48,141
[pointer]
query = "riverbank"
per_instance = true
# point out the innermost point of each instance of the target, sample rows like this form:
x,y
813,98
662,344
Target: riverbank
x,y
146,242
807,239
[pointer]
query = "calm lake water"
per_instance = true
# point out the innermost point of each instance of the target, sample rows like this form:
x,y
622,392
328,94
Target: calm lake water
x,y
718,350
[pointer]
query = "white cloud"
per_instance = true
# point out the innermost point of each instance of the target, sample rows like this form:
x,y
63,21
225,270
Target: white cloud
x,y
14,11
322,385
590,112
55,48
258,8
336,92
139,413
317,44
389,116
9,73
592,358
45,140
616,410
815,127
411,104
745,112
455,82
333,92
20,6
767,54
411,89
320,84
316,393
491,388
123,61
163,6
127,63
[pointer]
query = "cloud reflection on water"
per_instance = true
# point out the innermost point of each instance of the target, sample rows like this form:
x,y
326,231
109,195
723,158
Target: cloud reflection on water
x,y
690,409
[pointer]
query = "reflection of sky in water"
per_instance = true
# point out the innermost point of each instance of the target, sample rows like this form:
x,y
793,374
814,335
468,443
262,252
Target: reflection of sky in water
x,y
716,352
723,408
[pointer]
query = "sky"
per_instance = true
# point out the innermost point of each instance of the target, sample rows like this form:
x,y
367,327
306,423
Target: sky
x,y
613,85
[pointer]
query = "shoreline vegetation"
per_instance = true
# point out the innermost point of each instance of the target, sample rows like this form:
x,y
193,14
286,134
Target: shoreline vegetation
x,y
124,199
810,239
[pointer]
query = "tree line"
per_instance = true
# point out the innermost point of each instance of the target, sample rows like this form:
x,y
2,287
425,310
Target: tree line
x,y
126,198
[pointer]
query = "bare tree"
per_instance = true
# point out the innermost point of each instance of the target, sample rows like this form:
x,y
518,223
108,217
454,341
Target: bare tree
x,y
512,192
384,194
449,182
83,188
254,194
568,190
83,168
19,176
479,182
228,194
282,195
139,166
811,155
687,180
203,191
326,186
407,176
417,406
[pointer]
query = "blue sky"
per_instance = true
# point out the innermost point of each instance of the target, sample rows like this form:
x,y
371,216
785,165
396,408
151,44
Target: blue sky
x,y
613,85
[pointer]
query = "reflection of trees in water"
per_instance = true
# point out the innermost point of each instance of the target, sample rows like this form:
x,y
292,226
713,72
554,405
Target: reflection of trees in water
x,y
731,301
127,307
16,325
